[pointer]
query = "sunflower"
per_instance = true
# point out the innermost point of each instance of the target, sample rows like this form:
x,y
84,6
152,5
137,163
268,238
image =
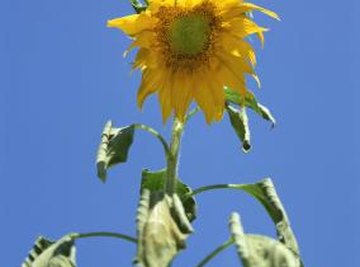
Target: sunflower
x,y
189,50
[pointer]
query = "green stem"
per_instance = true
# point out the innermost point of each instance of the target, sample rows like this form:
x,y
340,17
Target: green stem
x,y
213,187
173,156
104,234
156,134
214,253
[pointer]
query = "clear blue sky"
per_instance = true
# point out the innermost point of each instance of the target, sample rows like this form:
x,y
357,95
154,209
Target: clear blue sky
x,y
63,76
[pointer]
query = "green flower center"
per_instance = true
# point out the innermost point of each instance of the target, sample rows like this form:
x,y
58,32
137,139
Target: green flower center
x,y
189,35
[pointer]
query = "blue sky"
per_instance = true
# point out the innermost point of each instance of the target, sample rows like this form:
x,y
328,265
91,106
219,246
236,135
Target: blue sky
x,y
63,76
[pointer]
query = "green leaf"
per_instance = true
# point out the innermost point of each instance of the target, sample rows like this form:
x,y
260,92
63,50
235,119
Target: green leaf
x,y
260,251
138,6
46,253
251,102
155,181
240,123
234,97
160,233
114,147
266,114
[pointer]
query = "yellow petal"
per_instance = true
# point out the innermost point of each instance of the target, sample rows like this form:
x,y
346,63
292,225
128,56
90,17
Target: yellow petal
x,y
141,59
144,39
238,47
217,89
155,5
242,8
261,37
232,78
182,94
165,101
187,3
236,70
150,83
204,98
248,7
237,64
133,24
243,26
147,58
247,51
226,5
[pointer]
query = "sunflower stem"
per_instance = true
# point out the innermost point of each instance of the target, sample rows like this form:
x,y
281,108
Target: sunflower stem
x,y
173,157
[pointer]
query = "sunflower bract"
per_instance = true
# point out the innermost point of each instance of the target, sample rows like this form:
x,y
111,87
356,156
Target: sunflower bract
x,y
188,50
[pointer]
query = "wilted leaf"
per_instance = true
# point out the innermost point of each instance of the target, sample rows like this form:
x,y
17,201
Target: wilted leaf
x,y
114,147
251,102
266,194
155,181
46,253
264,191
238,235
141,220
240,123
160,233
260,251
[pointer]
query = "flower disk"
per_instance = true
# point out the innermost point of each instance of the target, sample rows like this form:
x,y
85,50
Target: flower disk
x,y
190,50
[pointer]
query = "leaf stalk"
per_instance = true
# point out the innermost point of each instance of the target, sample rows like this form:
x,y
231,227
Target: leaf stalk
x,y
213,187
214,253
103,234
156,134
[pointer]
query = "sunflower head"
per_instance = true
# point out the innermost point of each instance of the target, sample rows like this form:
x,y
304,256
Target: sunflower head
x,y
189,50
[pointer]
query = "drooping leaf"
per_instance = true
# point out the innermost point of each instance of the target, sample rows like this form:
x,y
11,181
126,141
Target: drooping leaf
x,y
264,191
260,251
160,233
155,181
46,253
266,194
40,245
266,114
251,102
114,147
238,236
240,123
141,220
138,6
